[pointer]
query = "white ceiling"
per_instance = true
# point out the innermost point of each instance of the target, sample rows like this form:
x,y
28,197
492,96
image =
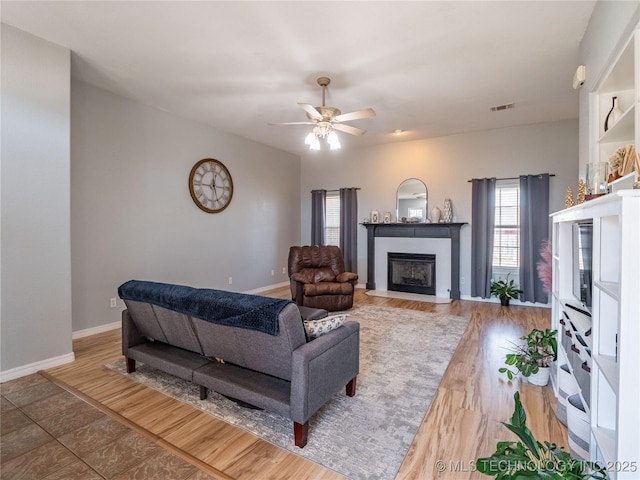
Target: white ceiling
x,y
431,68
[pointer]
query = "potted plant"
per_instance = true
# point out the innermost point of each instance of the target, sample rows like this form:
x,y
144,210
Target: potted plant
x,y
505,290
528,458
534,358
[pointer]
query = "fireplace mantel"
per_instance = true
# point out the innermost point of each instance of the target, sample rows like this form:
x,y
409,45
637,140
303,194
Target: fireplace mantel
x,y
415,230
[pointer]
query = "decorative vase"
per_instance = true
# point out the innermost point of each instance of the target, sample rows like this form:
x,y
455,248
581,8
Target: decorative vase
x,y
387,217
375,216
436,213
614,115
447,212
541,378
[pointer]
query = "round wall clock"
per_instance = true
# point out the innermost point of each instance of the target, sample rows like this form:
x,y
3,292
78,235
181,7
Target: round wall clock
x,y
210,185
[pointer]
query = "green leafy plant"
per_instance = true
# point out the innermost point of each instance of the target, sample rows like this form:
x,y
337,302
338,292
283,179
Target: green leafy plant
x,y
505,289
539,350
528,458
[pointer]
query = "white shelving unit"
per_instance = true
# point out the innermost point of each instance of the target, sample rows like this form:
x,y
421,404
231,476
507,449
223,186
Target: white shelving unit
x,y
620,81
614,340
610,391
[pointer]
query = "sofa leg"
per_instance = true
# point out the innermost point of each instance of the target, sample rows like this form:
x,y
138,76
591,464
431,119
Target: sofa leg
x,y
351,387
131,365
203,393
300,433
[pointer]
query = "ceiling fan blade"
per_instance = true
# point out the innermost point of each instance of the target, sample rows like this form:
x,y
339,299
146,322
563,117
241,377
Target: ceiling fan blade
x,y
348,129
293,123
345,117
311,110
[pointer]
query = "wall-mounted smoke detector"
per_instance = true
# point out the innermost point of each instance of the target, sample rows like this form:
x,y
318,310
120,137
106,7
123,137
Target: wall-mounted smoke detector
x,y
506,106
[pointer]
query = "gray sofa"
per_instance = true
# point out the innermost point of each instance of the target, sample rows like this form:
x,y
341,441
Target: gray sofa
x,y
186,332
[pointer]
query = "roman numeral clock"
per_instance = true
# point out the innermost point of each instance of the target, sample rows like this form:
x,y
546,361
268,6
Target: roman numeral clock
x,y
210,185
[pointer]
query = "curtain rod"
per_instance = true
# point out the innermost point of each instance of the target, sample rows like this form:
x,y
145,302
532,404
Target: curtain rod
x,y
518,178
334,190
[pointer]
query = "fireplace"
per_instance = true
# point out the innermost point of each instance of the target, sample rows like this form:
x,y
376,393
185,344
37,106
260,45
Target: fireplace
x,y
411,272
416,231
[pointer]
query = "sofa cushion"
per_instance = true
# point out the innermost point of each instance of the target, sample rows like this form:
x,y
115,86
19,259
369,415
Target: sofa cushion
x,y
327,288
317,328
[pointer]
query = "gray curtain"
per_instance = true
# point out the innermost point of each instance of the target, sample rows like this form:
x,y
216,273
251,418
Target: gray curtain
x,y
349,228
318,199
483,208
534,230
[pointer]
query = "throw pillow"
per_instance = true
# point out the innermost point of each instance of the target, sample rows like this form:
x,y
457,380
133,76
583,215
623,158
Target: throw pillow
x,y
317,328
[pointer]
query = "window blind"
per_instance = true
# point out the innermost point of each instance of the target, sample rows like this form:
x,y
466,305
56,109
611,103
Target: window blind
x,y
332,219
506,243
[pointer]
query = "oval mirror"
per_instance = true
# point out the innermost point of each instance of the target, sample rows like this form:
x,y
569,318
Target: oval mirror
x,y
411,201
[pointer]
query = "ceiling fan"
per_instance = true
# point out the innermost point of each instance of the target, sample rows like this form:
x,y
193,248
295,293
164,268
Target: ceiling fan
x,y
327,119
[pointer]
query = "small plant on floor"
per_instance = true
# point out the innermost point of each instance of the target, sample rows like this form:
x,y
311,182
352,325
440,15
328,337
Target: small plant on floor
x,y
505,290
528,458
539,351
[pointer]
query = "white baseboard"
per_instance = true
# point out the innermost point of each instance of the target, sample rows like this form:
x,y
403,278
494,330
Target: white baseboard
x,y
267,288
512,302
93,330
35,367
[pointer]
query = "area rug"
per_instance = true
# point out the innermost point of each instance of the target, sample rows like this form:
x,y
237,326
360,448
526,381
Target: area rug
x,y
403,355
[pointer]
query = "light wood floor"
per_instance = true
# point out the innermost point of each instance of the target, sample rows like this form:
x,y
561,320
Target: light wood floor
x,y
462,424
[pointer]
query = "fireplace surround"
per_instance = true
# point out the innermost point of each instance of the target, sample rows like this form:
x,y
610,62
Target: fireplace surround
x,y
415,230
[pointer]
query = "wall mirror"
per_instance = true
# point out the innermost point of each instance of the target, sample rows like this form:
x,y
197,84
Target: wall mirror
x,y
411,201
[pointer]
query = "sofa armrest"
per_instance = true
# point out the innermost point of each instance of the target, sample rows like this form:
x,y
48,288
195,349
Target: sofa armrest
x,y
322,367
131,336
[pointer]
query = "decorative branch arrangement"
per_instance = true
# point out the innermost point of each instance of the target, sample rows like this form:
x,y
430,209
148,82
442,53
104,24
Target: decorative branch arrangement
x,y
544,267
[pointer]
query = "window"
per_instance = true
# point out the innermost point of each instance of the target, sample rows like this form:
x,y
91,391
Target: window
x,y
332,219
506,233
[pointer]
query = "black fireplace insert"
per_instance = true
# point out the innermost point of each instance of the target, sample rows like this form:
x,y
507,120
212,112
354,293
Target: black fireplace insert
x,y
411,272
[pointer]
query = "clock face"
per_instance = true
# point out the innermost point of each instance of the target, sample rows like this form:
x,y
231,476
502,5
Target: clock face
x,y
210,185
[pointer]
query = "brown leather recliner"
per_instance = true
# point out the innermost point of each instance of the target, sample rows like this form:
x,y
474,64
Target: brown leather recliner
x,y
318,279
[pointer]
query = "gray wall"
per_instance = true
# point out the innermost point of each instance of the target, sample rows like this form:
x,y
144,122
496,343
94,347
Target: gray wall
x,y
445,165
35,317
610,26
133,217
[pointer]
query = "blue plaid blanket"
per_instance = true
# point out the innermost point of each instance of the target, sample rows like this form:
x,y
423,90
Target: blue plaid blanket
x,y
241,310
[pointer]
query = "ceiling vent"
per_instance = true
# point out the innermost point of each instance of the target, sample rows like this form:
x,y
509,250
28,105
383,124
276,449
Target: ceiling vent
x,y
506,106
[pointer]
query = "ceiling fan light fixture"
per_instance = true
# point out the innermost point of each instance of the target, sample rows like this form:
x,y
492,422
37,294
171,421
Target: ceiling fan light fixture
x,y
333,140
310,138
326,119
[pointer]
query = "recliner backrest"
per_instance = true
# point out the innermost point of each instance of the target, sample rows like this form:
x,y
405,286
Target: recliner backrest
x,y
316,256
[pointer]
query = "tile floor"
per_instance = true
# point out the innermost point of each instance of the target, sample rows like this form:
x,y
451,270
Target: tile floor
x,y
49,433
